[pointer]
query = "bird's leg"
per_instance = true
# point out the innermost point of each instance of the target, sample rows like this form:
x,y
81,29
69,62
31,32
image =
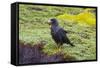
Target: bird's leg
x,y
59,47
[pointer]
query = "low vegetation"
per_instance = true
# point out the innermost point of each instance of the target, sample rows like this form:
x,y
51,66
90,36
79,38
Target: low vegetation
x,y
80,23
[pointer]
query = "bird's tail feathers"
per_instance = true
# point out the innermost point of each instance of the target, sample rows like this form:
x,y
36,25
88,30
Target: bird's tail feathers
x,y
72,44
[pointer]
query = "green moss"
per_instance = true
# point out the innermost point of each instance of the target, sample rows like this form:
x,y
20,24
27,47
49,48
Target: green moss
x,y
33,28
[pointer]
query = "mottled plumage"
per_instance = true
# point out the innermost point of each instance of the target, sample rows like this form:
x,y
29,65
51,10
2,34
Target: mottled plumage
x,y
58,33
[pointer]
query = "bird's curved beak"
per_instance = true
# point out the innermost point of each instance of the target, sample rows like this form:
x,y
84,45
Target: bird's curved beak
x,y
49,22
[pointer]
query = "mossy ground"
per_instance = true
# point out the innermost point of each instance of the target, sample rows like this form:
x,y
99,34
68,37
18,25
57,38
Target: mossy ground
x,y
33,28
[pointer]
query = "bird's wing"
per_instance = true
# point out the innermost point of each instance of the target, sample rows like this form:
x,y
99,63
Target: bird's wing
x,y
64,30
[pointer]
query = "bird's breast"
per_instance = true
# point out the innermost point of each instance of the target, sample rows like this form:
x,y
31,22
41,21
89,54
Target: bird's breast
x,y
55,29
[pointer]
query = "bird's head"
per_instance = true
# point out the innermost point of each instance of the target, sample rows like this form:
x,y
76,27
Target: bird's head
x,y
53,21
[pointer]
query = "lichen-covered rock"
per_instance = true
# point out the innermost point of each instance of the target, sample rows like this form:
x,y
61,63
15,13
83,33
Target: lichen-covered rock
x,y
29,54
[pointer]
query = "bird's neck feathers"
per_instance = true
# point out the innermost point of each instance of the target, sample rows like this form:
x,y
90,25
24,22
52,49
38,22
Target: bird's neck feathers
x,y
55,24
